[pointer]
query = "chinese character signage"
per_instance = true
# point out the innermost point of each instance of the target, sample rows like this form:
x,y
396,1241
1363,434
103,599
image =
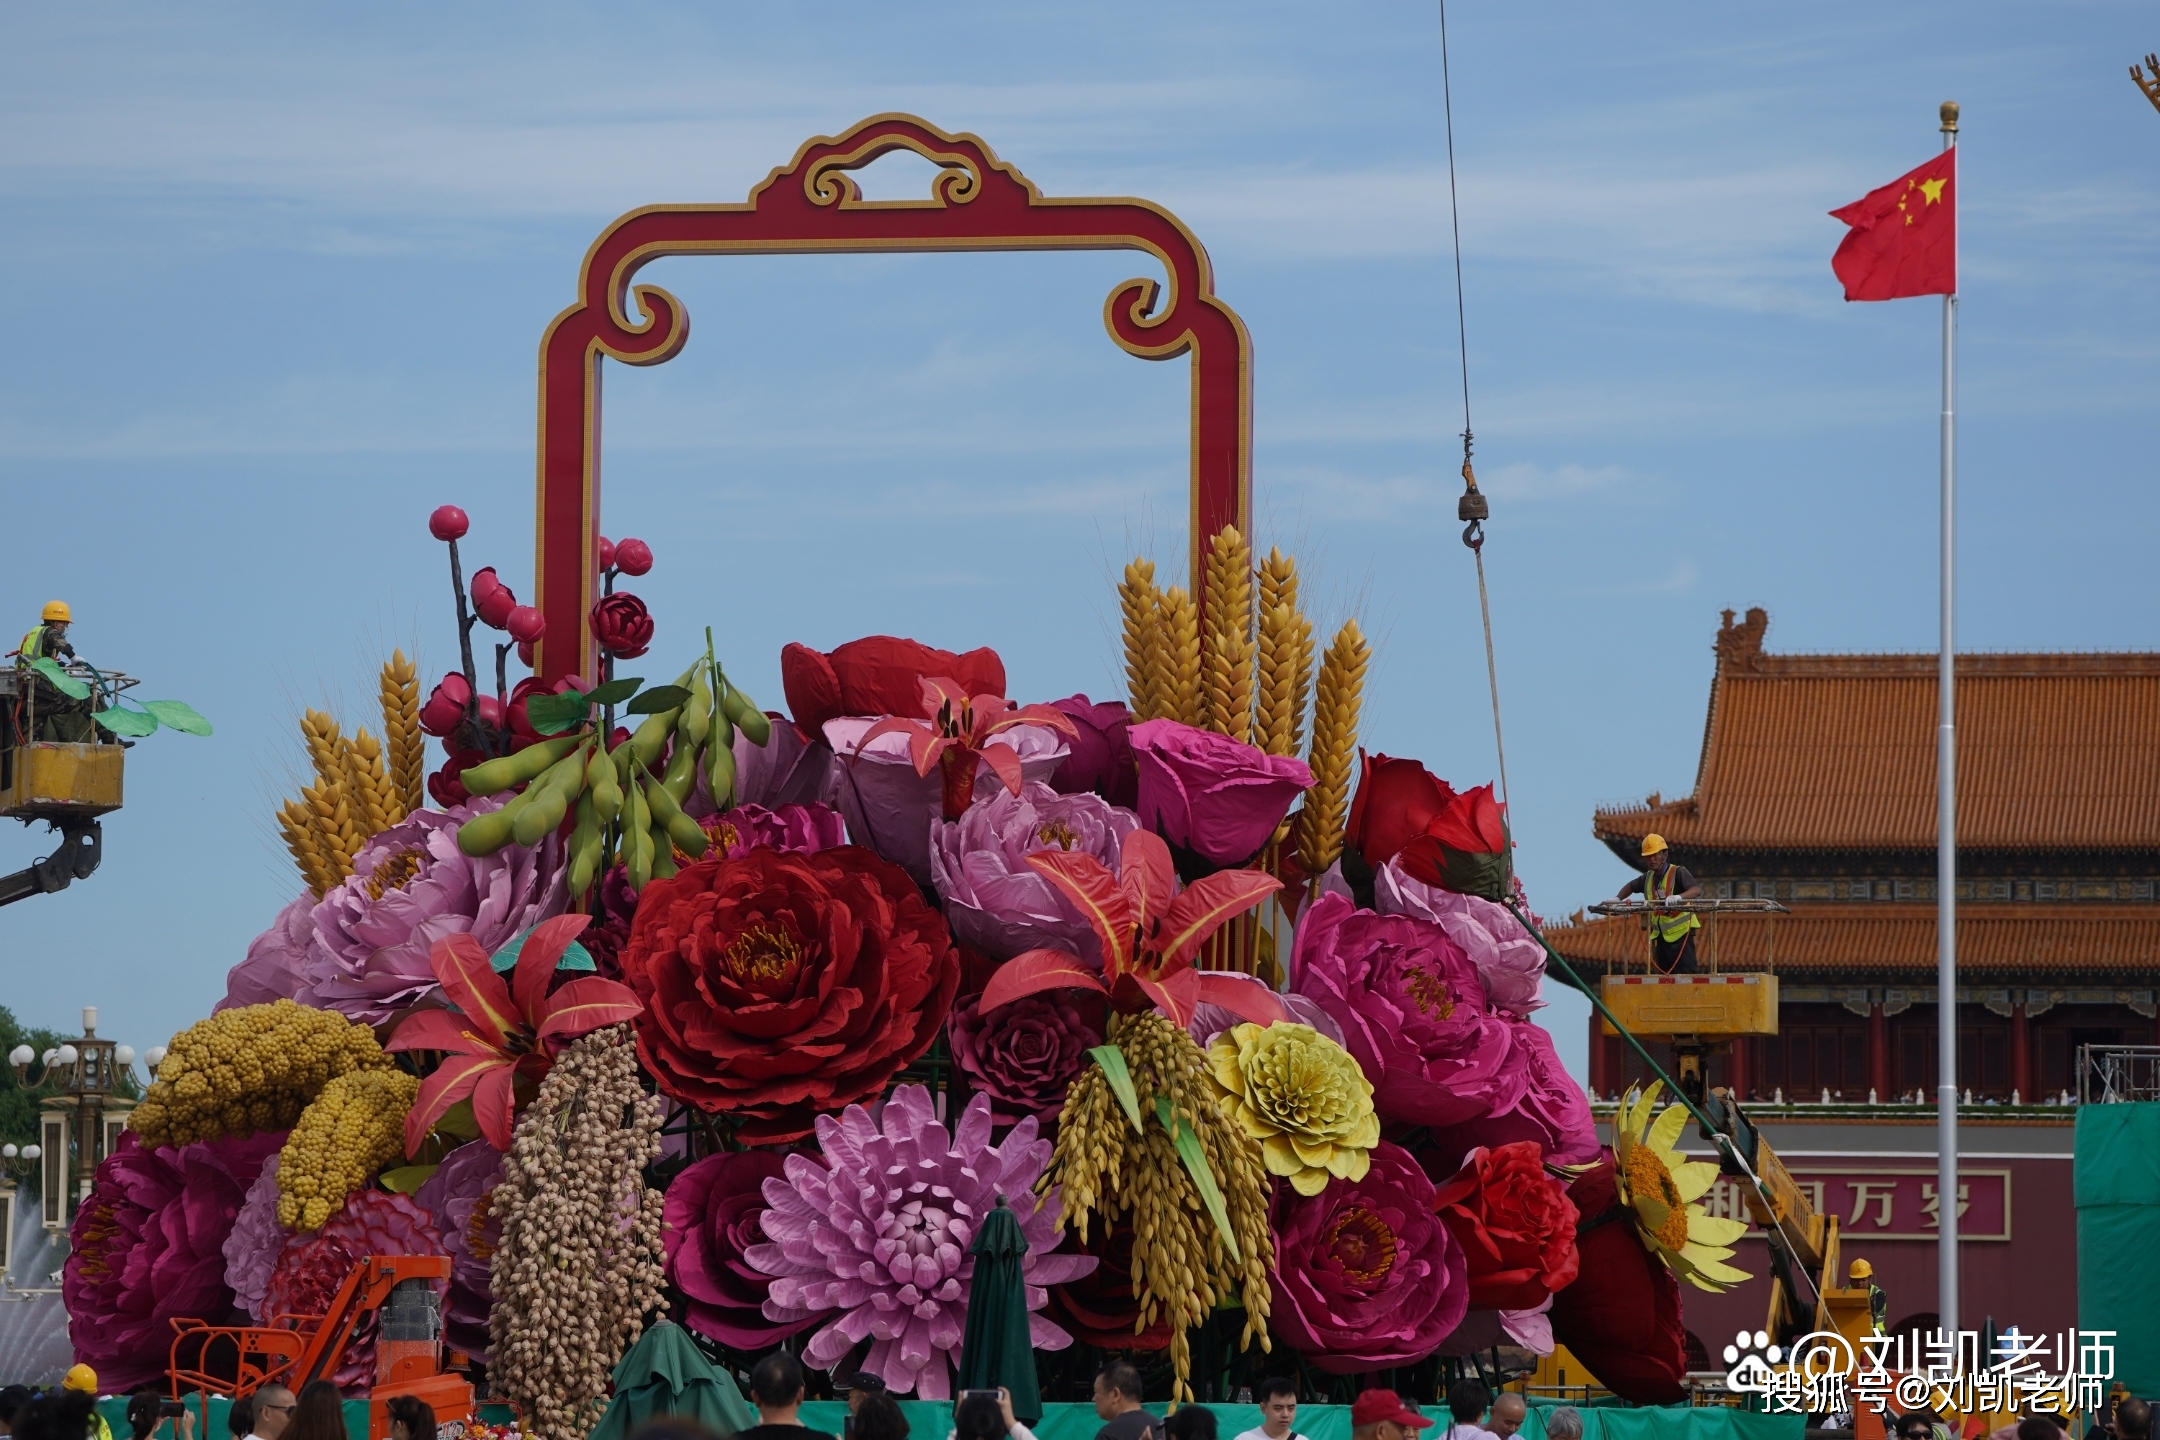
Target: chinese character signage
x,y
1886,1203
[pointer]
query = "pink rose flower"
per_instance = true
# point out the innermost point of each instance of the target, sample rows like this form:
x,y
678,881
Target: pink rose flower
x,y
1208,794
1102,758
890,808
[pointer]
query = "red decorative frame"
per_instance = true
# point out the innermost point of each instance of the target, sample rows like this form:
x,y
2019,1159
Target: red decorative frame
x,y
812,205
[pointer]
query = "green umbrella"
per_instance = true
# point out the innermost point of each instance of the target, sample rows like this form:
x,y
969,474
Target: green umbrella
x,y
997,1350
666,1374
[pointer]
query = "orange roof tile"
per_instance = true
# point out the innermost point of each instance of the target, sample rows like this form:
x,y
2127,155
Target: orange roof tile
x,y
1889,935
1838,752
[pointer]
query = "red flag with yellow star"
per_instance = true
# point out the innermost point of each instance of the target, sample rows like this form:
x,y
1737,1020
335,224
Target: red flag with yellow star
x,y
1903,239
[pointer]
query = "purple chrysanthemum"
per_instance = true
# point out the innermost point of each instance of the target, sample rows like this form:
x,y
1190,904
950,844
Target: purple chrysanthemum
x,y
880,1233
252,1250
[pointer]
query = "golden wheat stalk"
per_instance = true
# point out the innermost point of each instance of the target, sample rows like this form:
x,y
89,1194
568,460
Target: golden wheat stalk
x,y
339,840
1178,686
321,733
367,783
1141,604
296,822
1228,646
1334,749
1285,659
401,728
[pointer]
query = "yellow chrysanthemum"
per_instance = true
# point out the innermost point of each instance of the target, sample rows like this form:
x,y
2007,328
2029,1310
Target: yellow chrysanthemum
x,y
1662,1188
1302,1097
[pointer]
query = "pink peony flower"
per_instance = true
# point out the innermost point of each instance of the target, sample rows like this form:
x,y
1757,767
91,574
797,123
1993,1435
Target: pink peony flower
x,y
1366,1275
1102,756
410,887
257,1240
309,1273
1510,964
1210,794
1024,1055
715,1210
994,900
458,1198
803,829
1412,1011
788,769
880,1231
1553,1110
272,968
889,807
147,1246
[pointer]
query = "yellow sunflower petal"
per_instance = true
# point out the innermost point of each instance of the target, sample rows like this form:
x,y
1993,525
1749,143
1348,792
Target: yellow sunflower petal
x,y
1693,1179
1714,1230
1667,1129
1711,1267
1309,1182
1652,1210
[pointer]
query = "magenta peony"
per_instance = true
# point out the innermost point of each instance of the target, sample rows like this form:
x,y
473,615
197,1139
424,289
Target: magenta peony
x,y
274,965
410,887
1510,964
1366,1275
880,1231
714,1214
803,829
1553,1110
1102,757
1024,1055
889,807
312,1268
458,1199
788,769
257,1240
147,1247
1412,1011
993,899
1209,794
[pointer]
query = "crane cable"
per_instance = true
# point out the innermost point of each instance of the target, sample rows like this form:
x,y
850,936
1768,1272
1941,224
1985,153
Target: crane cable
x,y
1472,507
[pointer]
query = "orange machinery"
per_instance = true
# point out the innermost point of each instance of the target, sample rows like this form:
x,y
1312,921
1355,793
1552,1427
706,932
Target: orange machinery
x,y
238,1360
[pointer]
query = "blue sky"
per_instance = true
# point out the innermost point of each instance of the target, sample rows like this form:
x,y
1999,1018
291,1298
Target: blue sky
x,y
276,277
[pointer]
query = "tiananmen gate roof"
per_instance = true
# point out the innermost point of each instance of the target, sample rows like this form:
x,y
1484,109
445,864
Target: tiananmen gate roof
x,y
2055,751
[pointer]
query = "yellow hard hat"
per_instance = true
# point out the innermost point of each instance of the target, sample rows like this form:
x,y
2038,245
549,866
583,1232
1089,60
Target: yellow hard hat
x,y
56,610
80,1377
1652,844
1861,1270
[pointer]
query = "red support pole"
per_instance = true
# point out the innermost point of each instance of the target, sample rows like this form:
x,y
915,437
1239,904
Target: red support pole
x,y
2021,1076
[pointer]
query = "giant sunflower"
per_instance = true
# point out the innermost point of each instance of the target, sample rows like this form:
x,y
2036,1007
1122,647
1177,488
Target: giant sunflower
x,y
1662,1189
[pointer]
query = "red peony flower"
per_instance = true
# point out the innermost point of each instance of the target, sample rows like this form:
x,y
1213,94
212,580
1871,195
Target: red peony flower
x,y
777,985
1516,1225
877,675
622,625
1396,800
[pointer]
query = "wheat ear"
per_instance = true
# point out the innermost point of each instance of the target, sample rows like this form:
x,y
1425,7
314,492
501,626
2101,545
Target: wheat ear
x,y
1227,656
1285,658
367,784
296,822
1334,749
1141,604
1178,684
401,727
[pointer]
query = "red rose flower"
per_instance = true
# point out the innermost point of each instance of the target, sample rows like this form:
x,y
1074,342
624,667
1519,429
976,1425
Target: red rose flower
x,y
1621,1317
877,675
777,985
1516,1225
1465,848
1396,800
622,625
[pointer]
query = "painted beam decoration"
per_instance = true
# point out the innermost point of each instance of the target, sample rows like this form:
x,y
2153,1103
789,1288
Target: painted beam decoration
x,y
812,205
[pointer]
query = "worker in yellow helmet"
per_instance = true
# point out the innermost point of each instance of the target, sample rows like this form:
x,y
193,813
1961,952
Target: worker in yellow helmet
x,y
47,639
1878,1304
1672,932
81,1378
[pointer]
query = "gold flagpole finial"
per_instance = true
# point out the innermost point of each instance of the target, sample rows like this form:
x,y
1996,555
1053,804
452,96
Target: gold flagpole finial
x,y
1949,113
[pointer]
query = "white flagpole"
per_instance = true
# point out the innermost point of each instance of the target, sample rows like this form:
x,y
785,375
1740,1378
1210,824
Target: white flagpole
x,y
1946,1181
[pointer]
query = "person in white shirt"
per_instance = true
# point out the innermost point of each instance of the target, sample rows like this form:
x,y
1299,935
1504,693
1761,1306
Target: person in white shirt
x,y
1278,1409
1466,1402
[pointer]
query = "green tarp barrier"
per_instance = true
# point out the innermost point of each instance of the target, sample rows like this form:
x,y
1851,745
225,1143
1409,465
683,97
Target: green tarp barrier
x,y
2117,1183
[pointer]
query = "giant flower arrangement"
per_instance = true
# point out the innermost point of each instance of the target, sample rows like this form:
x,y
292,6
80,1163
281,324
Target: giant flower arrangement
x,y
846,949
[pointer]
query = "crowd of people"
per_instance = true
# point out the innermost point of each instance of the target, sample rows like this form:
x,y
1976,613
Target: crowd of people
x,y
68,1411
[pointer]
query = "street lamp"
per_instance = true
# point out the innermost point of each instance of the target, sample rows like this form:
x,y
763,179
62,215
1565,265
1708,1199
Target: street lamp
x,y
80,1125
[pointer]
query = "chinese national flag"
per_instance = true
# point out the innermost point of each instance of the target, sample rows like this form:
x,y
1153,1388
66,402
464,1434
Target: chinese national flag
x,y
1903,239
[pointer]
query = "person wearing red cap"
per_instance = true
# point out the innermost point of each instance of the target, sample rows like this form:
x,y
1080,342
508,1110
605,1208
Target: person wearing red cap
x,y
1381,1415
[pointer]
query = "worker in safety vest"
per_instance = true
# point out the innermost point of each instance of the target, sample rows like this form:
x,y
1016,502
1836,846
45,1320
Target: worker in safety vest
x,y
47,639
1672,932
1878,1304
